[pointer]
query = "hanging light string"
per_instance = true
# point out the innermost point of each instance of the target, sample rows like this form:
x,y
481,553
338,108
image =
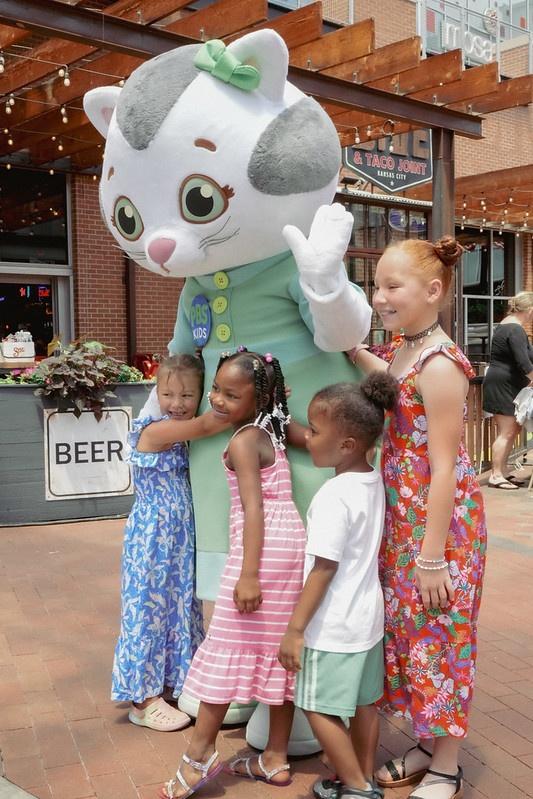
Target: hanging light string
x,y
62,69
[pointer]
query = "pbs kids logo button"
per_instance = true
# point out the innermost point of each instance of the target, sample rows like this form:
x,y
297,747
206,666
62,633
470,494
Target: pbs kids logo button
x,y
200,320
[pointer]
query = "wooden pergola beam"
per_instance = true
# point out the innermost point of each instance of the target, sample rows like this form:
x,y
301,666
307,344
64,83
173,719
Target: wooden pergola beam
x,y
476,81
434,71
221,19
295,27
484,184
79,24
388,60
26,73
508,94
351,41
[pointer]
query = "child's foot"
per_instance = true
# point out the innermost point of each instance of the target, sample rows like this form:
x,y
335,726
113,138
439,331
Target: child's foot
x,y
438,785
405,770
191,776
267,767
158,715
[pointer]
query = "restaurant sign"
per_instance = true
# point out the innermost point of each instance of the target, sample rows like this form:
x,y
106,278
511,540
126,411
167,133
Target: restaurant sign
x,y
84,458
393,163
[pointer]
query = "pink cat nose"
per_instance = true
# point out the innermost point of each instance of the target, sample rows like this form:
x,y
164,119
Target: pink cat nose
x,y
160,250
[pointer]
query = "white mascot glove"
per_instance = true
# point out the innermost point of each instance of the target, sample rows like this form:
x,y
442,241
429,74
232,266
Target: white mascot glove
x,y
340,311
319,257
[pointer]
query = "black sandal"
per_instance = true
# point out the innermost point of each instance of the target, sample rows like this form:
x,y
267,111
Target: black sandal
x,y
401,777
456,779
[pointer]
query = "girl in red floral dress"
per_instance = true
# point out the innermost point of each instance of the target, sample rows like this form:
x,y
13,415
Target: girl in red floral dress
x,y
433,551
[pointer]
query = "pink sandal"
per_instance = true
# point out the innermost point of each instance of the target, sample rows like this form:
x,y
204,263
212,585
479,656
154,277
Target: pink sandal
x,y
168,791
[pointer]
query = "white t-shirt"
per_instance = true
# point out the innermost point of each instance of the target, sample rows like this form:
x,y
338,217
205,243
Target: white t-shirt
x,y
345,524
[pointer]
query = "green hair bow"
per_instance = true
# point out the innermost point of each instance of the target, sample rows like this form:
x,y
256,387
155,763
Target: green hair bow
x,y
213,57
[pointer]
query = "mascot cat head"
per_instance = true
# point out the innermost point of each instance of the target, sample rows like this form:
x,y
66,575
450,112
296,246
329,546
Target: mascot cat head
x,y
209,153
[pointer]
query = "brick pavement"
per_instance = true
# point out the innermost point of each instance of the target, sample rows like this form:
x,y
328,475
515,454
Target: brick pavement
x,y
62,738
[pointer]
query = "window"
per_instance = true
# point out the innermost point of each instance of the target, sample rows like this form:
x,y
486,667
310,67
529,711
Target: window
x,y
33,217
488,272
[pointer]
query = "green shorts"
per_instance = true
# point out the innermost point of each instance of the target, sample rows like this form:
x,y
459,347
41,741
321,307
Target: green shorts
x,y
335,683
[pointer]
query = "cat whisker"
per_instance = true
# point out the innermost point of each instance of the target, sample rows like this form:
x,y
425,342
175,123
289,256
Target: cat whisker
x,y
214,242
216,233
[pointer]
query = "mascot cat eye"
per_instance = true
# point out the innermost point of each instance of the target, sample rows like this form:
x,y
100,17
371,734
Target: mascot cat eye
x,y
127,219
202,199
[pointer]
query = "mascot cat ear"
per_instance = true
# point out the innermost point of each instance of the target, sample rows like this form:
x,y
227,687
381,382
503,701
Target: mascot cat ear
x,y
267,51
99,105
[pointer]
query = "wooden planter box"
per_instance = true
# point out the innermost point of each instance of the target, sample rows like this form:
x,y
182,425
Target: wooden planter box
x,y
22,461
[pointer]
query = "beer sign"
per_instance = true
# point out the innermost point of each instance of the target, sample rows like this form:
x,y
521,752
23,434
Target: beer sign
x,y
84,458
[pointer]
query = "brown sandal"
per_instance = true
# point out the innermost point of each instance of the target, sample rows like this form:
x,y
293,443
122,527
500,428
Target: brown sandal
x,y
400,776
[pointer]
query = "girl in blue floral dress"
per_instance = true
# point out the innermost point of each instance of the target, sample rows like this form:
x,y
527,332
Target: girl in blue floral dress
x,y
161,619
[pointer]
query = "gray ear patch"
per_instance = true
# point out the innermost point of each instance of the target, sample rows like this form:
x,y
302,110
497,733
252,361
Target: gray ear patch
x,y
298,152
151,91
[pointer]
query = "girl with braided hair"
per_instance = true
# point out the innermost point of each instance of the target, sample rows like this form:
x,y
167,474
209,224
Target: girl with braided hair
x,y
261,583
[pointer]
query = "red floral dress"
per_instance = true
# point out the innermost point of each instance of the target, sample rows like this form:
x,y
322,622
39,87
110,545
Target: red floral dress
x,y
429,655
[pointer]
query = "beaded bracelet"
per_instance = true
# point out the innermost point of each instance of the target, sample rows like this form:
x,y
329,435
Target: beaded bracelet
x,y
430,560
443,564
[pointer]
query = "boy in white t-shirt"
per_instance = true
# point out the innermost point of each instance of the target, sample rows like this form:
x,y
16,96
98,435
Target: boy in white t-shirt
x,y
335,636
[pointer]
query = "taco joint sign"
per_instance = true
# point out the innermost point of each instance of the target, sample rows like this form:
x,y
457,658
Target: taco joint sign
x,y
408,163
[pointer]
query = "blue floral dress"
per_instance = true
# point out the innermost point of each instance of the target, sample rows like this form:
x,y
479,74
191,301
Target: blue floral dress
x,y
161,620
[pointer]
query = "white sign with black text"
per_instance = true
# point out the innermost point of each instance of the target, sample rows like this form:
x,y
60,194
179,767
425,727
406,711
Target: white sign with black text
x,y
84,458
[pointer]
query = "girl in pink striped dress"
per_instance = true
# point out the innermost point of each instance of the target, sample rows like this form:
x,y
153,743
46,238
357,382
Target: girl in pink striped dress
x,y
261,582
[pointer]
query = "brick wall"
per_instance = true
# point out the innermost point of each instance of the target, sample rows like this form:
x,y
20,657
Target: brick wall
x,y
514,61
394,20
100,302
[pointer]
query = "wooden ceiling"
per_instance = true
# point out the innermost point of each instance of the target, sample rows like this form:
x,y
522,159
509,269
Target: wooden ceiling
x,y
48,129
499,199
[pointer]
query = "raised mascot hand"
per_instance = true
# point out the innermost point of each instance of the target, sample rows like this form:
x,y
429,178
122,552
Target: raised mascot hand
x,y
319,257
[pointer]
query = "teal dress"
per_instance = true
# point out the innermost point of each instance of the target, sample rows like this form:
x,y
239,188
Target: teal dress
x,y
262,307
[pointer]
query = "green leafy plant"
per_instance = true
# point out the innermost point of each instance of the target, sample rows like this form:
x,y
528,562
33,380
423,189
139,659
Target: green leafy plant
x,y
81,377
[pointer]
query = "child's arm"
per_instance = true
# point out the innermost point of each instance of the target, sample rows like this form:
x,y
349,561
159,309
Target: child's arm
x,y
443,388
244,452
362,357
296,434
310,600
162,435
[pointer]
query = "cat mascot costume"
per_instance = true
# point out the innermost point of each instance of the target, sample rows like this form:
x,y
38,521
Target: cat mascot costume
x,y
214,165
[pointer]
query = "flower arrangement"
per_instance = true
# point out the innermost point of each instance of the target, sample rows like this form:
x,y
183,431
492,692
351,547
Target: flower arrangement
x,y
79,378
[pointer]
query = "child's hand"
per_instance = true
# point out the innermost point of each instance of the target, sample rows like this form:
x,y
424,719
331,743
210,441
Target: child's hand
x,y
290,651
247,594
436,587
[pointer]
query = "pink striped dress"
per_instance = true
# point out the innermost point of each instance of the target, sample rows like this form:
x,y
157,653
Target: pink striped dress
x,y
238,661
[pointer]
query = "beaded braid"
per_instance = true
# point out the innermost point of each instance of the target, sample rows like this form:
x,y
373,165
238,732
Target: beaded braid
x,y
280,399
272,385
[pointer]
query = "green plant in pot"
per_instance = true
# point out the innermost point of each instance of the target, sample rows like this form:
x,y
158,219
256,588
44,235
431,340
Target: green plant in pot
x,y
82,376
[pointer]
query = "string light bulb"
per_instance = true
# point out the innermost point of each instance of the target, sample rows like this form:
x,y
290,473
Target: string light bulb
x,y
464,201
10,141
357,137
66,78
11,100
51,171
8,108
60,146
8,166
369,131
391,146
121,83
2,63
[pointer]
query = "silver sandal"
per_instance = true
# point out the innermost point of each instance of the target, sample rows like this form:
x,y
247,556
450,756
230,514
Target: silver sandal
x,y
203,768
